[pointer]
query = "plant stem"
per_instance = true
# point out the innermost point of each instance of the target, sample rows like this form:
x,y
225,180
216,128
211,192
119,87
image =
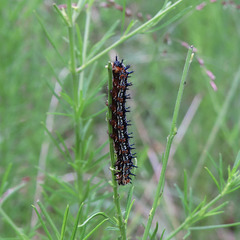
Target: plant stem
x,y
121,223
200,212
76,98
141,28
191,218
172,133
12,224
84,48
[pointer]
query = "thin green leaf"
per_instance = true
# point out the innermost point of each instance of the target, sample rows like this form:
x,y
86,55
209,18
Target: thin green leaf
x,y
200,205
42,223
18,231
88,81
215,226
91,97
219,207
99,149
81,107
229,174
187,234
61,15
54,72
4,178
214,179
76,222
171,20
161,238
130,25
123,15
10,193
48,36
90,164
94,229
64,185
94,98
213,214
190,200
61,114
64,224
98,186
54,141
212,161
180,194
86,145
99,169
48,219
80,43
112,228
85,129
220,173
67,98
95,91
64,145
237,162
77,10
185,200
128,212
52,90
129,203
96,114
233,190
86,191
93,216
145,26
154,232
102,197
100,43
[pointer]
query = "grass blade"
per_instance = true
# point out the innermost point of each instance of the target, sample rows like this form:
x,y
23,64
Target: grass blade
x,y
42,223
49,37
214,179
76,223
48,219
4,178
64,224
154,232
94,229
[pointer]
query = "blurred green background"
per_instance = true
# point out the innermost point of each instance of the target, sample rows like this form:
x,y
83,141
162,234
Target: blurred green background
x,y
157,59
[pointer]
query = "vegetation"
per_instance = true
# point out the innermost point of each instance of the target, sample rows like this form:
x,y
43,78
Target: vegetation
x,y
56,176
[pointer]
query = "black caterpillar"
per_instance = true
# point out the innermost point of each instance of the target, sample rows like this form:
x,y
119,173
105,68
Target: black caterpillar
x,y
120,135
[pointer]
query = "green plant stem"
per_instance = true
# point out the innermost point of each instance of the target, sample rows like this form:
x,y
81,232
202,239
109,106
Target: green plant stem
x,y
76,98
202,212
172,133
12,224
121,222
141,28
84,48
215,226
190,219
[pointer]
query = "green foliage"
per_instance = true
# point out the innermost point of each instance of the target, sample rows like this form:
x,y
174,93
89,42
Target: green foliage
x,y
53,129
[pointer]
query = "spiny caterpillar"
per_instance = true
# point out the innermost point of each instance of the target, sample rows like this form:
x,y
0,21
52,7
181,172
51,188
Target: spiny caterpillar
x,y
119,122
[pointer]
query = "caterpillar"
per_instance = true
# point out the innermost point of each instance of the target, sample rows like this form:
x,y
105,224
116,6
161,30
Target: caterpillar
x,y
119,122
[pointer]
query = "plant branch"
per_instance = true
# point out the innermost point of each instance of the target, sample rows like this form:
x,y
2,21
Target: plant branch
x,y
172,133
71,35
145,26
